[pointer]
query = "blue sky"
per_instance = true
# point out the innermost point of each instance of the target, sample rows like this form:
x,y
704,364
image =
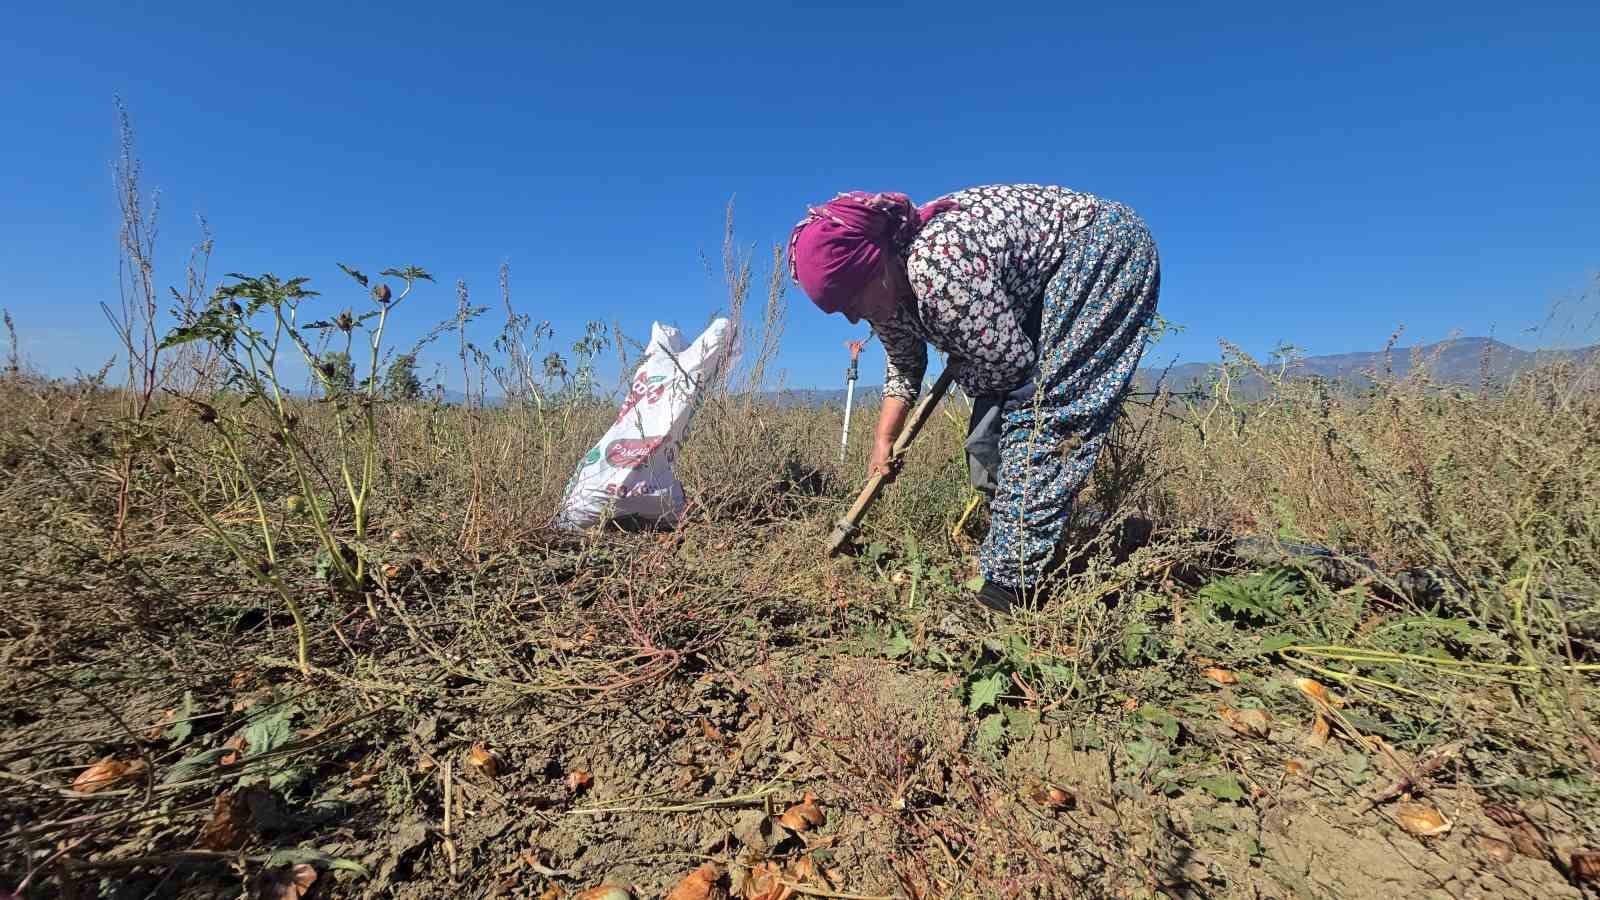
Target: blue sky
x,y
1316,176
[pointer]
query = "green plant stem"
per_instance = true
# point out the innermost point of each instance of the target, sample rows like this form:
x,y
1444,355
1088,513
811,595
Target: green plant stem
x,y
344,439
1355,654
369,449
270,579
255,495
318,515
1348,678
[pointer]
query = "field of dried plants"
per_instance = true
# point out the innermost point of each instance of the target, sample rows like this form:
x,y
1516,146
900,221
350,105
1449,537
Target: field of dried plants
x,y
270,642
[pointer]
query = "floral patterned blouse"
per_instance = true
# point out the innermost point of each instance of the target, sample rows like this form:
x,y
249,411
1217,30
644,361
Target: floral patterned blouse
x,y
979,273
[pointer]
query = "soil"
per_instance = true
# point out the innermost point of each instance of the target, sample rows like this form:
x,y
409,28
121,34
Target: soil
x,y
692,754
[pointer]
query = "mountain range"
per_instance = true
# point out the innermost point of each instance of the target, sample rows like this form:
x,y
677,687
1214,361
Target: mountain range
x,y
1464,361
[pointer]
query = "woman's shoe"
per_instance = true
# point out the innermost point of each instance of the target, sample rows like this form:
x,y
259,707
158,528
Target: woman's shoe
x,y
996,596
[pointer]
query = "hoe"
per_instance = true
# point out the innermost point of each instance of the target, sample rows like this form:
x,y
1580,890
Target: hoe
x,y
845,528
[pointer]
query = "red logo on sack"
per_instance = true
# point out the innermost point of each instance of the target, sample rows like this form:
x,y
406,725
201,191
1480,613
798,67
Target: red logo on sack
x,y
646,389
631,453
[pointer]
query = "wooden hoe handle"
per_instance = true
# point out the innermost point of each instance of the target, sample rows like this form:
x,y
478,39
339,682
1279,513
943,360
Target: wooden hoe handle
x,y
845,528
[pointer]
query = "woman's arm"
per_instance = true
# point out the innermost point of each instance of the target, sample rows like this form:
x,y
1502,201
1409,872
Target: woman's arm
x,y
905,358
906,361
890,420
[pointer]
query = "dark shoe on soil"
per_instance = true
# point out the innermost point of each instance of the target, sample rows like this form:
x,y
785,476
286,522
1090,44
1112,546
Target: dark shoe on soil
x,y
998,597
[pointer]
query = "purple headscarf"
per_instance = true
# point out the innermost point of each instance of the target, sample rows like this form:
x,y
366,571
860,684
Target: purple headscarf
x,y
841,244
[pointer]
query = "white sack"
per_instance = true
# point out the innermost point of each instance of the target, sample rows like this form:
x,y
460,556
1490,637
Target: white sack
x,y
628,475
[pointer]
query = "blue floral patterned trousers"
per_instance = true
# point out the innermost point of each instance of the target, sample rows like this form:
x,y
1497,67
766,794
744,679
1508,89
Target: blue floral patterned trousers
x,y
1093,327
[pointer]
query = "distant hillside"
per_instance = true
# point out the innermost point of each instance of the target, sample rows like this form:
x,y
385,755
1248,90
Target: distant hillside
x,y
821,397
1462,361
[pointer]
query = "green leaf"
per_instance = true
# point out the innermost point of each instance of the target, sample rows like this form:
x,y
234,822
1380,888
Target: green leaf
x,y
180,730
179,336
1223,787
1368,725
195,765
1145,753
1057,674
286,778
354,274
913,550
1020,722
1166,781
985,692
991,731
409,273
1259,596
1017,649
290,856
1164,721
1272,643
1356,762
271,729
1133,642
975,583
897,645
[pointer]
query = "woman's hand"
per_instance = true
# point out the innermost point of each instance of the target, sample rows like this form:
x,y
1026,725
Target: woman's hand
x,y
879,462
